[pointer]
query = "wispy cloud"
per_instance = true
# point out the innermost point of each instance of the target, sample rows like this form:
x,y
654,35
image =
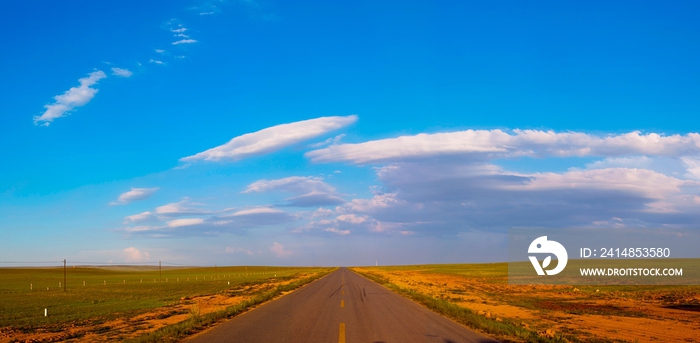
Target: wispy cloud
x,y
122,72
182,207
338,232
206,223
134,194
72,98
157,62
309,191
185,41
185,222
233,250
140,217
271,139
279,250
296,184
330,141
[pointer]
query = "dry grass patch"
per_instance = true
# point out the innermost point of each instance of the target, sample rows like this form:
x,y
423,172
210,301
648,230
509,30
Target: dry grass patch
x,y
583,313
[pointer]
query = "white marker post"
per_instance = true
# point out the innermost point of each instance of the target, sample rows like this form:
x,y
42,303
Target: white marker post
x,y
46,312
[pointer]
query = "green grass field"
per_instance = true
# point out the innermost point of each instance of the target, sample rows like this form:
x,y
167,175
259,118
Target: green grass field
x,y
99,294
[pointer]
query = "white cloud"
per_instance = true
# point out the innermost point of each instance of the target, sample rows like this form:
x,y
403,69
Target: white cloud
x,y
351,218
185,41
624,162
122,72
644,182
142,228
378,201
310,191
72,98
338,232
134,194
330,141
132,254
141,217
322,212
257,210
345,222
207,8
182,207
198,220
295,184
490,144
185,222
232,250
252,218
448,196
271,139
693,167
160,51
314,199
279,250
441,183
157,62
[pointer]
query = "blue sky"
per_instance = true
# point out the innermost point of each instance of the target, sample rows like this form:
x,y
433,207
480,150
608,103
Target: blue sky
x,y
265,132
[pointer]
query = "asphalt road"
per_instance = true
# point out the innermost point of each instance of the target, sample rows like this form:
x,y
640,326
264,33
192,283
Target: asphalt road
x,y
341,307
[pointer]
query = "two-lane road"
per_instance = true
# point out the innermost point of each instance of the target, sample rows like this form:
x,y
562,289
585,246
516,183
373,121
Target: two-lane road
x,y
341,307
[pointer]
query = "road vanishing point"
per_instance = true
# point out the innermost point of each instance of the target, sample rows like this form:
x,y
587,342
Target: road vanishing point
x,y
341,307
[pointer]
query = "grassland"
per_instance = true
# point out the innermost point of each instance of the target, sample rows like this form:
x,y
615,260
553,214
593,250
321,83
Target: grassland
x,y
479,296
104,300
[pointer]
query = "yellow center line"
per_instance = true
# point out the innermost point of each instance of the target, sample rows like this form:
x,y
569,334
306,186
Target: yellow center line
x,y
341,333
342,292
342,303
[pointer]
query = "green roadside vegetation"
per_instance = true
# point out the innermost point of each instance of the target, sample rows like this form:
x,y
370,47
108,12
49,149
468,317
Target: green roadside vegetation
x,y
96,295
196,322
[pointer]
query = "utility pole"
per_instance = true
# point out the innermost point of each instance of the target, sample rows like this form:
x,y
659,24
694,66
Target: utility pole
x,y
160,272
64,274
